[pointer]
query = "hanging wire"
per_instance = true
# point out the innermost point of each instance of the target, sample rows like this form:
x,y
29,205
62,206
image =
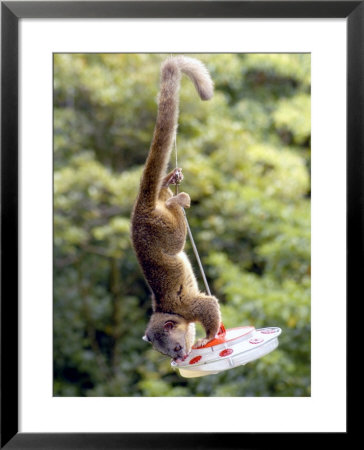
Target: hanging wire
x,y
195,251
176,152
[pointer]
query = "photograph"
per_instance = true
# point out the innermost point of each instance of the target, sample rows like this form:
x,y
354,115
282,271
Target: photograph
x,y
181,224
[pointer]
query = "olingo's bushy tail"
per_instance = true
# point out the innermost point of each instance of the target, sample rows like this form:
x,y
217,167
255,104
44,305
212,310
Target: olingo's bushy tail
x,y
198,73
166,125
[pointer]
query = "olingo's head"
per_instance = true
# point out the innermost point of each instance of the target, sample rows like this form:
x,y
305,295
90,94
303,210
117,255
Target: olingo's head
x,y
170,335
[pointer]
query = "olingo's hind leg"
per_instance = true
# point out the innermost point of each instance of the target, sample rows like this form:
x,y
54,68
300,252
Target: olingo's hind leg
x,y
207,311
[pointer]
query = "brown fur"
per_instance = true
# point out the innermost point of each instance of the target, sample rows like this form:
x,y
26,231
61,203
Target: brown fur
x,y
159,228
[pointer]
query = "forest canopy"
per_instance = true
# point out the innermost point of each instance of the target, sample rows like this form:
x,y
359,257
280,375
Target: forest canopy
x,y
246,162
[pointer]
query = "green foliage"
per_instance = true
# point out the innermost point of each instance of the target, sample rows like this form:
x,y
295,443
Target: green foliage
x,y
246,160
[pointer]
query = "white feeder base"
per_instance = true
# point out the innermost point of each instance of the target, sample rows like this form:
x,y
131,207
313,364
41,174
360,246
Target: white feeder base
x,y
237,347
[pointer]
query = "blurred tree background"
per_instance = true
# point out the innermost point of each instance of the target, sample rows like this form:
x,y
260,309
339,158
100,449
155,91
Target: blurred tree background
x,y
246,161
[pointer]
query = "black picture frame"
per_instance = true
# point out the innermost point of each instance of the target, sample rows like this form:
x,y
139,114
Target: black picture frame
x,y
11,13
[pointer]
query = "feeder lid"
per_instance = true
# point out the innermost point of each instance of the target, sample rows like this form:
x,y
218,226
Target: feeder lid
x,y
231,348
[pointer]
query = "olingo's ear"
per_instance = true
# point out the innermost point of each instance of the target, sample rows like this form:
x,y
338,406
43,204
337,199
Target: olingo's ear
x,y
169,325
145,338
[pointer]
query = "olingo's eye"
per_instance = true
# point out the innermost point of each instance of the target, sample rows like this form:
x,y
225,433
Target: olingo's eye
x,y
178,348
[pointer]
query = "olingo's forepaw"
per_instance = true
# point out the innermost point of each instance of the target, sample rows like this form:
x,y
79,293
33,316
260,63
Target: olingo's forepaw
x,y
201,342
